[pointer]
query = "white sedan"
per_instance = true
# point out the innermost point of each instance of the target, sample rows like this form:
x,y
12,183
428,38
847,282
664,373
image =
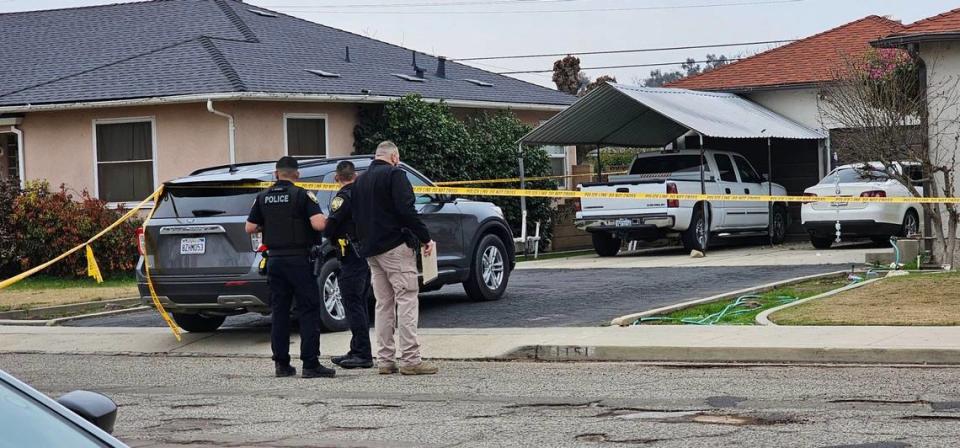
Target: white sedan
x,y
878,221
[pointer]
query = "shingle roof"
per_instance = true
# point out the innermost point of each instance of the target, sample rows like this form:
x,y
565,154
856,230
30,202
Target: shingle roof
x,y
807,61
948,22
182,47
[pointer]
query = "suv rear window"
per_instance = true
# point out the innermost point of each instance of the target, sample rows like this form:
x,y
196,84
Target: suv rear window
x,y
196,202
669,165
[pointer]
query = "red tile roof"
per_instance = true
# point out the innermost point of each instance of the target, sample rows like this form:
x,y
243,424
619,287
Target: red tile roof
x,y
806,61
948,22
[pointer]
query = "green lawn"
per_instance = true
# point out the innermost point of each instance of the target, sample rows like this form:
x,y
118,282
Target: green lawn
x,y
744,312
48,282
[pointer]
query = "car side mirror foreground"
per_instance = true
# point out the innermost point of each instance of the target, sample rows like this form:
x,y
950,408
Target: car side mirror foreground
x,y
93,407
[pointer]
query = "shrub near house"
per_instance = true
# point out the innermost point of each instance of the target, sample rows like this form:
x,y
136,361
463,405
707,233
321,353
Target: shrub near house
x,y
38,224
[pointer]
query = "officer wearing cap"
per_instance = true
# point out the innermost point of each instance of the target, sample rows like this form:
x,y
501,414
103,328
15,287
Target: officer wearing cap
x,y
354,276
290,218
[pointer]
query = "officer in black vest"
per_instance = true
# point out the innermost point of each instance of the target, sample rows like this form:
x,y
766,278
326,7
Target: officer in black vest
x,y
354,278
290,218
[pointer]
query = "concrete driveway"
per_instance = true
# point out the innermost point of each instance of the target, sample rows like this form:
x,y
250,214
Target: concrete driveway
x,y
790,254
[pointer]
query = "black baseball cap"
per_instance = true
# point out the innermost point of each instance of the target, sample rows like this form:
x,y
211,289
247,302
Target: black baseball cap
x,y
288,163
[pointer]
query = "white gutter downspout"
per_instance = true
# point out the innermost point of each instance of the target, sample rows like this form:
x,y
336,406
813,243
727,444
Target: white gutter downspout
x,y
20,156
233,130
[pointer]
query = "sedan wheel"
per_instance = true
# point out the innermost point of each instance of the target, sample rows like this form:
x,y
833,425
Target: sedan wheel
x,y
911,224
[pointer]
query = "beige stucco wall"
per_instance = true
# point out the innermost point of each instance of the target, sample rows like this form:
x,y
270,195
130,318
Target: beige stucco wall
x,y
59,145
800,105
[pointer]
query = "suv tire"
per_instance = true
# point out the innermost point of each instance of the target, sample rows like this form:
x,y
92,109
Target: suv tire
x,y
333,315
196,323
489,271
605,245
821,242
696,236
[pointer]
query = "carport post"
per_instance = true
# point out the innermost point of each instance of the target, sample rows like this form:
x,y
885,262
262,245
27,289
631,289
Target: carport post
x,y
770,191
523,199
703,190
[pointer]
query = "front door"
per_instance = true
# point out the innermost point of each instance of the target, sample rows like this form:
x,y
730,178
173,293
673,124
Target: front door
x,y
756,213
734,212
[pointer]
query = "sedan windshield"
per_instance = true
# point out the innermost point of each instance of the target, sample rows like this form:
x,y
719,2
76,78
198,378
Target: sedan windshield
x,y
854,175
25,422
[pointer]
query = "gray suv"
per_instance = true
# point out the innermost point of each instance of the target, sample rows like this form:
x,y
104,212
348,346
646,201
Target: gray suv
x,y
205,267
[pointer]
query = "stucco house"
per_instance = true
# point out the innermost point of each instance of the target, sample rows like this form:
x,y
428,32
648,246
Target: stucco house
x,y
118,98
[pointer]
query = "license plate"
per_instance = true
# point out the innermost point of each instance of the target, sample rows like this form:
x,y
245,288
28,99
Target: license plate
x,y
624,223
193,246
839,204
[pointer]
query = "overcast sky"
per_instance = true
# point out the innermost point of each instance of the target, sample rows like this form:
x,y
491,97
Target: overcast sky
x,y
474,28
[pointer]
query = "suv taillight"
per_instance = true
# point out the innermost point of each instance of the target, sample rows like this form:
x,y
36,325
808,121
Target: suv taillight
x,y
141,241
874,194
256,241
672,189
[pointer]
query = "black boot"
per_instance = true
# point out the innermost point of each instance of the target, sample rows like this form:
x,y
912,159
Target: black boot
x,y
284,370
319,372
356,362
338,359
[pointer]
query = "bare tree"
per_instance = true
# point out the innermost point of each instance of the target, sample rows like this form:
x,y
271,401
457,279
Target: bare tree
x,y
891,116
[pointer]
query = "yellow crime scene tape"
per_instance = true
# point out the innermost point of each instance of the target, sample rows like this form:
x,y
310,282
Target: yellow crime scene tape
x,y
445,188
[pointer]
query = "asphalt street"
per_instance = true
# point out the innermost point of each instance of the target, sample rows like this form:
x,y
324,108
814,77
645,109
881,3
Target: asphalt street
x,y
555,297
217,402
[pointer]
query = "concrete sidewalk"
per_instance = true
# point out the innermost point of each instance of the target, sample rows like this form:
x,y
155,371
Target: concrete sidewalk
x,y
884,345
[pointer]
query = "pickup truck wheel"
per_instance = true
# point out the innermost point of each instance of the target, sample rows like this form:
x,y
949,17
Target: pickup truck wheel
x,y
821,242
489,271
605,244
695,237
333,316
778,229
196,323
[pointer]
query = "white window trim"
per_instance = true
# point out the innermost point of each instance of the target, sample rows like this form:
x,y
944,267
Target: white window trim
x,y
96,163
21,167
326,130
566,165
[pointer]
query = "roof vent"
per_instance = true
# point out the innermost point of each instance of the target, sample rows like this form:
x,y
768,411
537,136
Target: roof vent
x,y
323,74
262,13
408,77
478,82
441,67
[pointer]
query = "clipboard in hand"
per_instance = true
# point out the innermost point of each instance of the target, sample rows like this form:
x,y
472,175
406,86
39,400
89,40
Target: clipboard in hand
x,y
429,265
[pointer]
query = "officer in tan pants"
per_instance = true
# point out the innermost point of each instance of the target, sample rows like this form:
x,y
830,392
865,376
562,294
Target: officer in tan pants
x,y
390,233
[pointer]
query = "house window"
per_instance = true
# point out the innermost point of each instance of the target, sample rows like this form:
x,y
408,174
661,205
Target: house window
x,y
558,163
125,159
306,135
9,156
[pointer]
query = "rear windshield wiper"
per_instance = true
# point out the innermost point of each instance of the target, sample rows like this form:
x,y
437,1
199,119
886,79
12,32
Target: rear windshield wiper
x,y
202,212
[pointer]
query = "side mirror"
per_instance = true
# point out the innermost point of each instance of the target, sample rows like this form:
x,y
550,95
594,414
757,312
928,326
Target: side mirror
x,y
93,407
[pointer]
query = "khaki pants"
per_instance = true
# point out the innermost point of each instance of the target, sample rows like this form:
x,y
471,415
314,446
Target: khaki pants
x,y
394,278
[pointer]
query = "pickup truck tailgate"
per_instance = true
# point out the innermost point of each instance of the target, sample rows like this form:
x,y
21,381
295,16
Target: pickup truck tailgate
x,y
613,207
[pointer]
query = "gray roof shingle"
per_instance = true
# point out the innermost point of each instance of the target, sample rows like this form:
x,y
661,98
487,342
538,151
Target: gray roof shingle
x,y
178,47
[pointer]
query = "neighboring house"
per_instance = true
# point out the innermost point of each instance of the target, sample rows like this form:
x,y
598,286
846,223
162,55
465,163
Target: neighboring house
x,y
936,42
787,79
115,99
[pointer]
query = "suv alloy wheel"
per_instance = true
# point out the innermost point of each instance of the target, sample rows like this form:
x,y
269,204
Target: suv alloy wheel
x,y
333,316
489,272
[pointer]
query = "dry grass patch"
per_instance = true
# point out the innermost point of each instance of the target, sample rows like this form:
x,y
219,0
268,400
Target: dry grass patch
x,y
915,299
39,292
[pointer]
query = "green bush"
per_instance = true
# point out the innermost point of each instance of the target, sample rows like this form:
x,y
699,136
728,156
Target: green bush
x,y
45,224
444,148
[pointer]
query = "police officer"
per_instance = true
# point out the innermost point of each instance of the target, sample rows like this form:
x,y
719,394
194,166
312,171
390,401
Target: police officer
x,y
354,272
390,232
290,218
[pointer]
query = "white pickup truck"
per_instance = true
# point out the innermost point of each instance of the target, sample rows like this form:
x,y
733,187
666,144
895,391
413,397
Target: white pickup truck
x,y
612,221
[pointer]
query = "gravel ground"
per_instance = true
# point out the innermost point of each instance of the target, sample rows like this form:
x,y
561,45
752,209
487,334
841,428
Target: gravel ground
x,y
216,402
555,297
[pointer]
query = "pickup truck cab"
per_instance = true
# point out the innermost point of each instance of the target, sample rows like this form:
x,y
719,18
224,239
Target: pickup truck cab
x,y
612,221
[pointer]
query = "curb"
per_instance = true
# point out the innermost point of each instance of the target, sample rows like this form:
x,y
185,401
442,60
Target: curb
x,y
60,320
60,309
628,319
764,317
732,355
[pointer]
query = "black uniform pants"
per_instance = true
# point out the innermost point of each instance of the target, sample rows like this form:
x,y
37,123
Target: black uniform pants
x,y
354,285
291,278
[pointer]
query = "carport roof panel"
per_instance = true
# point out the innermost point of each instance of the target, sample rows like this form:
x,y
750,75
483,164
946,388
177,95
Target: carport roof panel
x,y
621,115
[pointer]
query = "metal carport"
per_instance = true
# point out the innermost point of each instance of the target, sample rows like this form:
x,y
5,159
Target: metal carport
x,y
650,117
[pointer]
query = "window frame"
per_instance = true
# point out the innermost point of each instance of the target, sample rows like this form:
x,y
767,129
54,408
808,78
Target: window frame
x,y
562,182
152,119
307,116
748,166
